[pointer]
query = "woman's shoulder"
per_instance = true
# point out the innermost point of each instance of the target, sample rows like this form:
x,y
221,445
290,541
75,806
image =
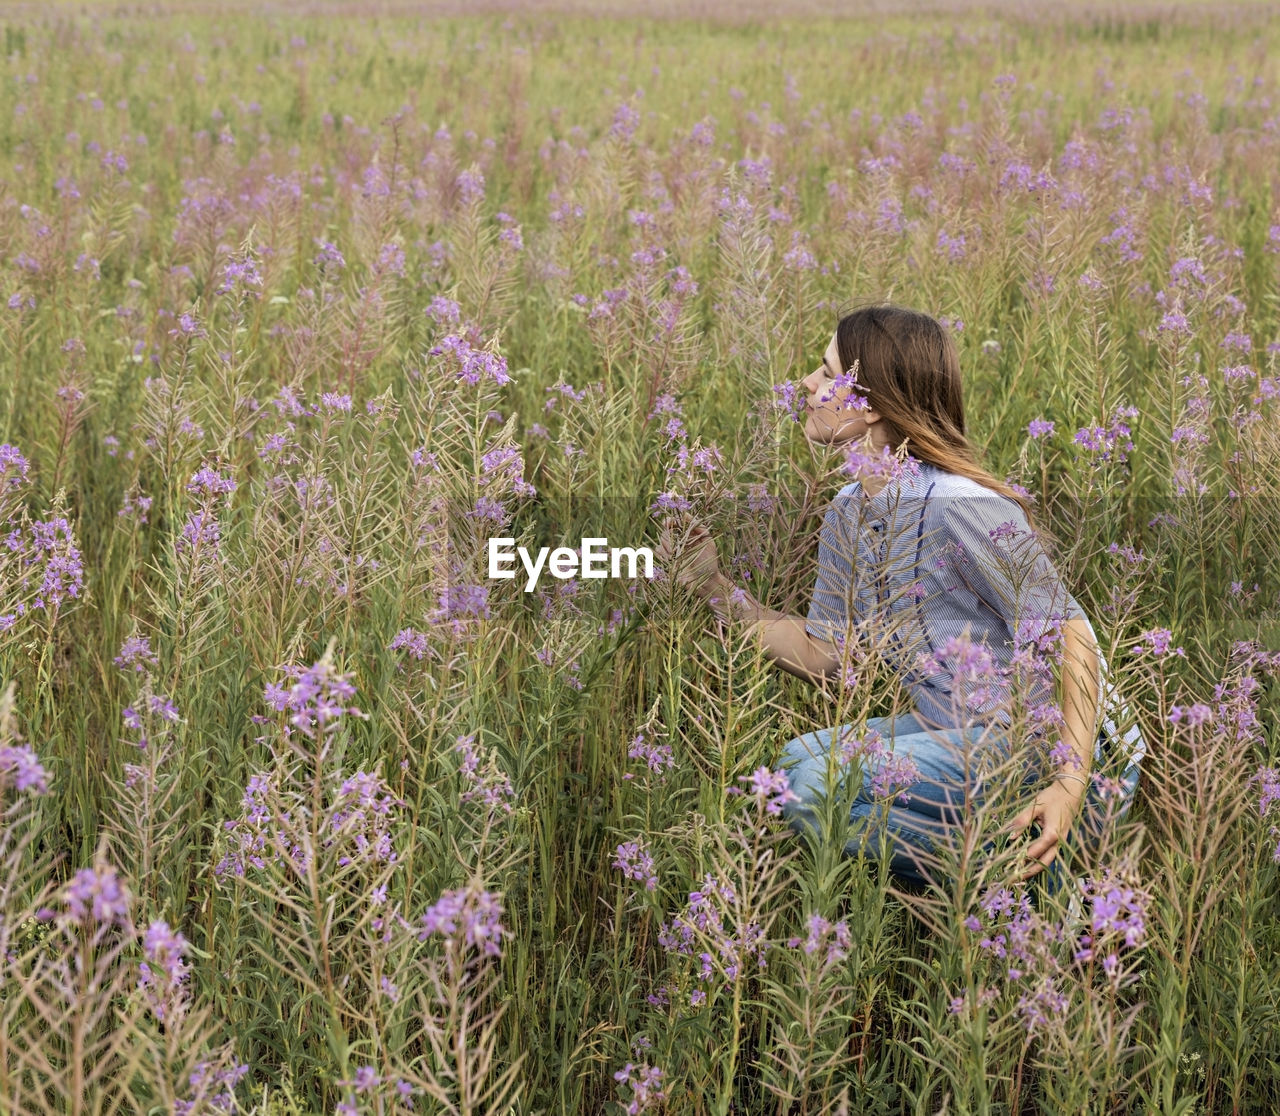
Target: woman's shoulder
x,y
945,484
930,482
956,501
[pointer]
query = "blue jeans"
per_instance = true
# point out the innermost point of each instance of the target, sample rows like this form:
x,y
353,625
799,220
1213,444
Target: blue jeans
x,y
936,802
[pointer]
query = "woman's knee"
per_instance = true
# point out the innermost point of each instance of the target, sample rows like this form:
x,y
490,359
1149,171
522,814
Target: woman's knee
x,y
812,778
893,726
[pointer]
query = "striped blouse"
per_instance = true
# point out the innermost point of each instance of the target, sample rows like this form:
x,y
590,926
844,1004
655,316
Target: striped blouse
x,y
936,555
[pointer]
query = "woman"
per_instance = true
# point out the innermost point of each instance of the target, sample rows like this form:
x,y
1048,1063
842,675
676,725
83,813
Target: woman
x,y
925,560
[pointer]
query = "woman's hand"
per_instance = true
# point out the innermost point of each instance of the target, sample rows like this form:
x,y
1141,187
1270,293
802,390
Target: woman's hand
x,y
697,565
1055,808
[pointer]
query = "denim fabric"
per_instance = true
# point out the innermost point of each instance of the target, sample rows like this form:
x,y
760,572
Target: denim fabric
x,y
936,801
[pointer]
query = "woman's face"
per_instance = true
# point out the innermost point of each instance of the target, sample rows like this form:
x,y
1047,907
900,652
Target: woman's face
x,y
832,417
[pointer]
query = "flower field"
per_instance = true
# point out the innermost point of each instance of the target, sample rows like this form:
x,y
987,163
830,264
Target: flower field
x,y
301,305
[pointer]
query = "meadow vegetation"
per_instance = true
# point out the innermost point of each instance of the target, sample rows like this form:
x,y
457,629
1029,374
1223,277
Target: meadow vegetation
x,y
300,813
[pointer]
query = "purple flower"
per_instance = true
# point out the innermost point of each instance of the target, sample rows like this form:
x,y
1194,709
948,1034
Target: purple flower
x,y
1063,755
391,259
20,767
365,1079
633,860
328,256
412,641
164,972
471,186
666,404
835,939
895,772
705,915
240,275
461,605
512,238
1189,273
98,895
1196,714
469,364
890,770
315,699
469,917
670,501
486,507
997,901
1009,529
13,466
759,502
503,459
645,1083
444,311
882,463
1113,439
707,459
1091,438
200,532
799,258
869,745
162,707
656,756
211,1089
771,789
273,444
1117,908
626,119
847,382
1269,779
1042,1005
247,833
255,793
361,815
486,780
1158,642
1039,428
952,246
53,543
964,661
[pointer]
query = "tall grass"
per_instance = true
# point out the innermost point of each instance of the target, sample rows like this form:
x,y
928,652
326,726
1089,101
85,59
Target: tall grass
x,y
302,813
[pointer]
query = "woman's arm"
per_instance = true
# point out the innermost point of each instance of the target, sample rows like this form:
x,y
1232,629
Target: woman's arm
x,y
1080,667
783,636
1056,806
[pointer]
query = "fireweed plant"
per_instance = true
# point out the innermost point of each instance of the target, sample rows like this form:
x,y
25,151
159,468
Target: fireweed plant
x,y
299,812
